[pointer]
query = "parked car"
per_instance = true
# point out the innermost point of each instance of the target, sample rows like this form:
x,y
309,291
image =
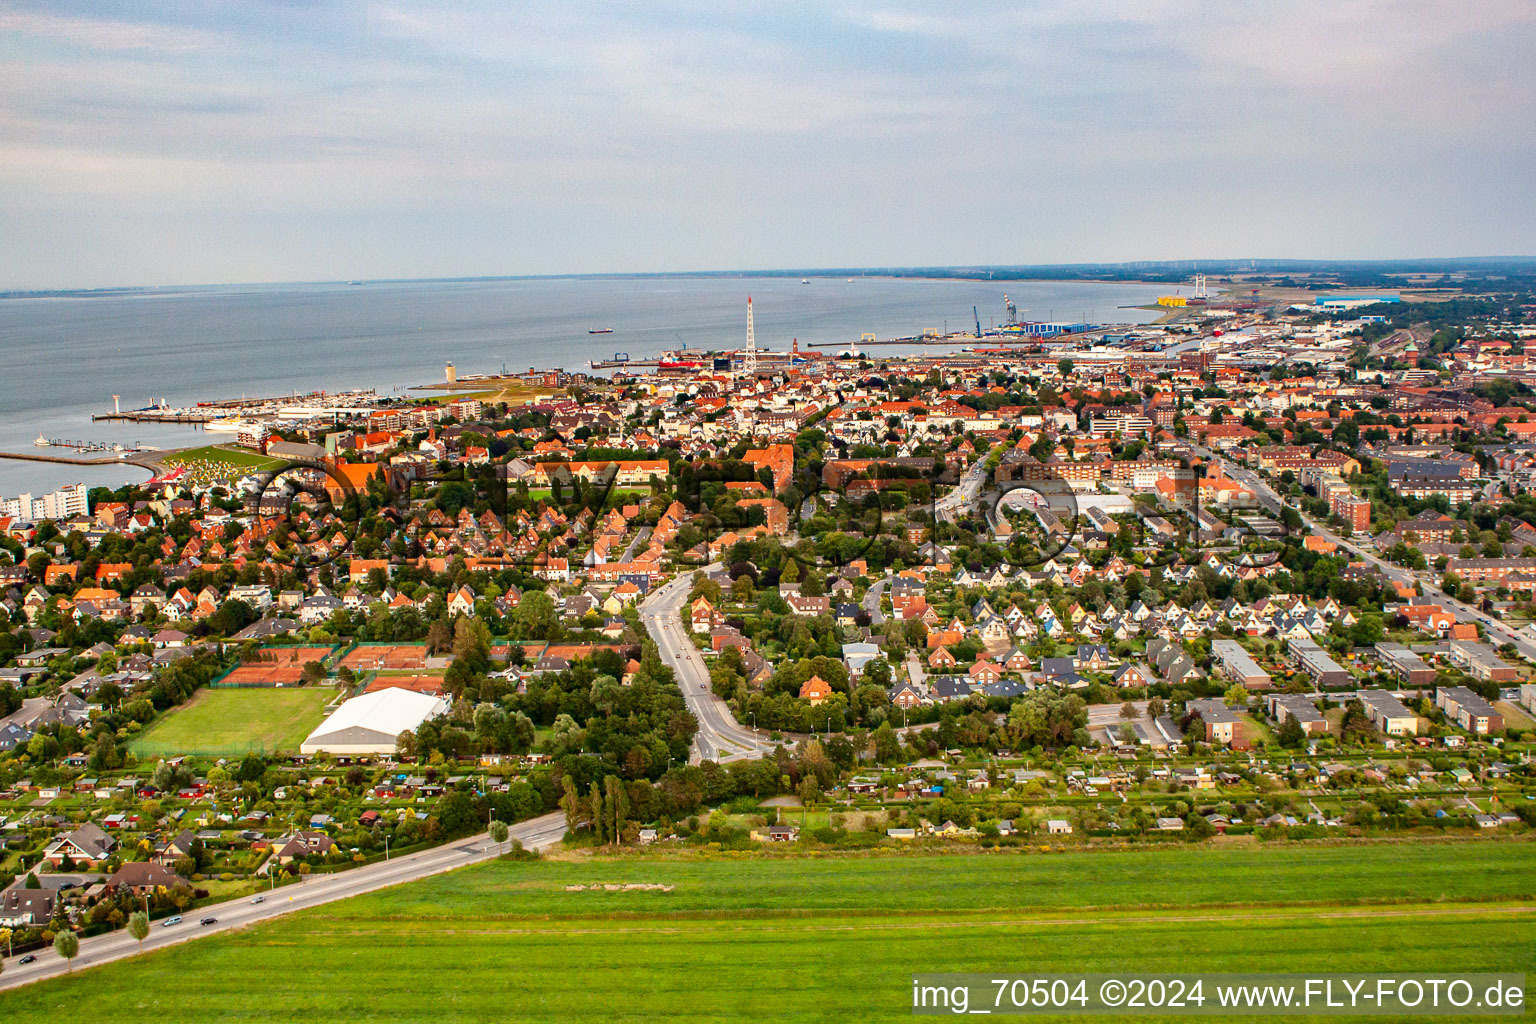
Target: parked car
x,y
205,922
173,919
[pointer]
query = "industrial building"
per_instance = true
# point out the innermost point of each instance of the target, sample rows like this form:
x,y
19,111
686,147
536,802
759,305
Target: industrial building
x,y
371,723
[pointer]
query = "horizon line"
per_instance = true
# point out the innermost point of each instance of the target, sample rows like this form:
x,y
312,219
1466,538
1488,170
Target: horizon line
x,y
958,271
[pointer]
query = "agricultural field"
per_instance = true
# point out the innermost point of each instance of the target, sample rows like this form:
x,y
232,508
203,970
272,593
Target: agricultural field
x,y
229,723
793,938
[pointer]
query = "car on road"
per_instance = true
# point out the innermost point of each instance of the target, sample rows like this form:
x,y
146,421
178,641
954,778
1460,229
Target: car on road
x,y
173,919
30,958
205,922
258,899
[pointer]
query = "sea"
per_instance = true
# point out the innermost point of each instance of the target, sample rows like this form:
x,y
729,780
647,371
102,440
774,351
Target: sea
x,y
66,356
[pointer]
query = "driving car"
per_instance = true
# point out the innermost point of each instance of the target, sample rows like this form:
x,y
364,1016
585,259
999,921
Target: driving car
x,y
258,899
205,922
30,958
173,919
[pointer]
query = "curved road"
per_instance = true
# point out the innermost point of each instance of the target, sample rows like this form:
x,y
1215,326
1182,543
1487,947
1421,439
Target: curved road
x,y
720,737
535,834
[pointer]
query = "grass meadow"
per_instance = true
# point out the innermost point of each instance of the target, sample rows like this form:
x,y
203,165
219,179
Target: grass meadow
x,y
824,939
225,723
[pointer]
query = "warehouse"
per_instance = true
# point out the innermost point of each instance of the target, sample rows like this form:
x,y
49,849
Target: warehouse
x,y
369,724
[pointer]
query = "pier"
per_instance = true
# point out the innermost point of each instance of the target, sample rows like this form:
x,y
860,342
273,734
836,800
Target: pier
x,y
156,416
150,463
95,446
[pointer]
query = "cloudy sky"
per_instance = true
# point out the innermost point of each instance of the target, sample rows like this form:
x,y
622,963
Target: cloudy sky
x,y
277,141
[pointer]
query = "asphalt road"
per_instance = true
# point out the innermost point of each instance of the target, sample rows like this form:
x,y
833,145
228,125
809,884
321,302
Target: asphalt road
x,y
536,833
871,602
720,737
965,492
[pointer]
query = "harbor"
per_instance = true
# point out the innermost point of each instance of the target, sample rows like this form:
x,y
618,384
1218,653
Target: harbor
x,y
93,446
156,416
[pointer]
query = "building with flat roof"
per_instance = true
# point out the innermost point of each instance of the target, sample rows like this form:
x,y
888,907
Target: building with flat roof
x,y
1238,665
1316,662
1300,707
1468,710
1408,667
1482,662
1389,714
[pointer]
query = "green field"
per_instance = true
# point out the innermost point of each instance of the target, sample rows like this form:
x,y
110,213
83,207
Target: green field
x,y
232,722
825,939
229,456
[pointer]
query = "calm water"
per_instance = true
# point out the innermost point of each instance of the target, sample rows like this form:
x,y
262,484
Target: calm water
x,y
66,357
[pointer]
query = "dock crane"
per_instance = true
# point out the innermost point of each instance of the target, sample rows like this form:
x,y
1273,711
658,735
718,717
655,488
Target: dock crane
x,y
977,315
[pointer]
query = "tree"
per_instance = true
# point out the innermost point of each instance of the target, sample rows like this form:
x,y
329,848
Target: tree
x,y
1290,733
138,927
498,832
1236,695
810,793
1128,711
1156,708
617,807
535,616
67,945
570,802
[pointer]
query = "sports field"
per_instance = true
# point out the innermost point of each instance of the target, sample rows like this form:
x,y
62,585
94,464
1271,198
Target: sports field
x,y
233,722
825,939
386,657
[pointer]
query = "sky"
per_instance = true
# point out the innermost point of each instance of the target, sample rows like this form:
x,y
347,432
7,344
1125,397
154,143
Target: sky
x,y
258,140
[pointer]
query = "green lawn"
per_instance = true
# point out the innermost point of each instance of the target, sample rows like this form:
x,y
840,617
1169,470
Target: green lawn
x,y
827,939
232,722
231,456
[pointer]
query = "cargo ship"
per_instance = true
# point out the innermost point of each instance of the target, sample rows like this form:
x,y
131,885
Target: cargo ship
x,y
601,330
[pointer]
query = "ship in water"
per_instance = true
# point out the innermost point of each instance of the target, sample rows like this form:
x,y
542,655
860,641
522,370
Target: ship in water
x,y
41,441
601,330
227,424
